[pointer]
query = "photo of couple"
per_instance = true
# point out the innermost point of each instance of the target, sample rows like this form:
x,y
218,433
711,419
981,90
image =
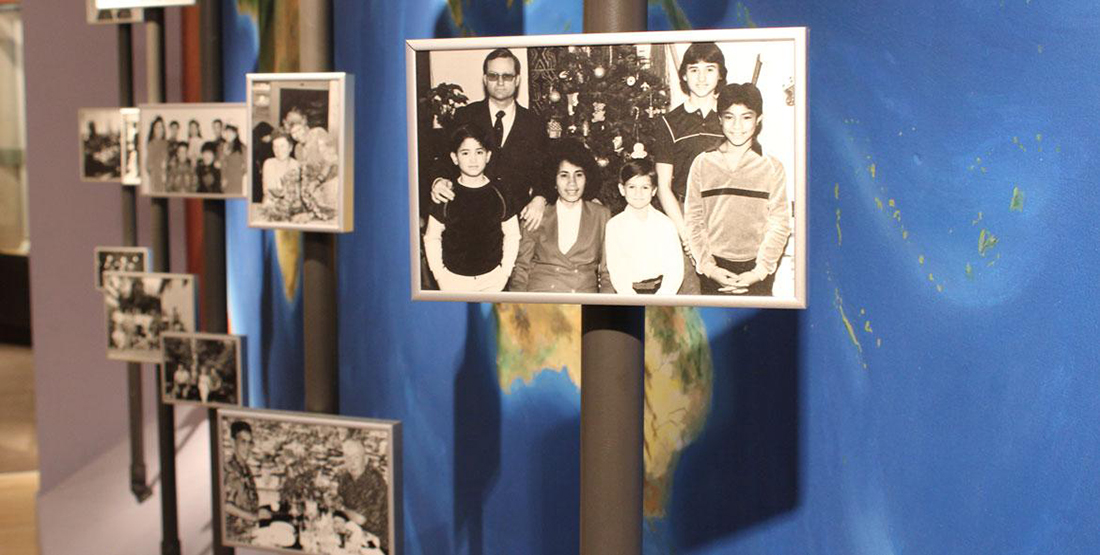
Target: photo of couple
x,y
633,169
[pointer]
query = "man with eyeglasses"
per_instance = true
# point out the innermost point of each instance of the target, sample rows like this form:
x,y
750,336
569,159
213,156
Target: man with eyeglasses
x,y
519,136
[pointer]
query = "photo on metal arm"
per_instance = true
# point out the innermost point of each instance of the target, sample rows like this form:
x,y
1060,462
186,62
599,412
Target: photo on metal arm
x,y
664,168
116,16
100,131
140,306
194,150
303,483
120,259
301,169
131,146
201,369
121,4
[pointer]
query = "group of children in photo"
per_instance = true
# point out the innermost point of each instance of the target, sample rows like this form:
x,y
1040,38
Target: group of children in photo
x,y
722,228
194,164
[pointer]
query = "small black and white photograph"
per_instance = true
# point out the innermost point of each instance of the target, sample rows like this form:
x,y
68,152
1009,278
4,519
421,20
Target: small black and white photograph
x,y
123,4
142,305
301,173
298,483
100,144
116,16
131,146
636,168
120,259
194,150
201,369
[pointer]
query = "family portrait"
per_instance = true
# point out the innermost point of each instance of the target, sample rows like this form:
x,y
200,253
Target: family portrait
x,y
119,15
140,306
100,144
120,259
310,484
617,172
300,173
193,150
201,368
131,144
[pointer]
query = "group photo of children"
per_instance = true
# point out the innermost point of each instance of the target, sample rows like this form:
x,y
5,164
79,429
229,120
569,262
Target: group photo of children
x,y
619,169
193,150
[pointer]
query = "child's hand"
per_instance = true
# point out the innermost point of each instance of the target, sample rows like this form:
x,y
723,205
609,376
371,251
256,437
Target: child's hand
x,y
442,191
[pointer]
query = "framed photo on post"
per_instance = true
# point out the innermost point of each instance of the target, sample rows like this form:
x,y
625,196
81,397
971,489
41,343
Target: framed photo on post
x,y
118,4
664,168
307,483
120,259
194,150
201,369
141,305
131,146
116,16
302,171
100,135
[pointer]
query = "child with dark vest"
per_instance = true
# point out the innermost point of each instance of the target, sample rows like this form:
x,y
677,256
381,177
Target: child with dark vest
x,y
471,242
736,210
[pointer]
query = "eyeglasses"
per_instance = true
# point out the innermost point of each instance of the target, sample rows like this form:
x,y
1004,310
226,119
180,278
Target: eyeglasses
x,y
506,77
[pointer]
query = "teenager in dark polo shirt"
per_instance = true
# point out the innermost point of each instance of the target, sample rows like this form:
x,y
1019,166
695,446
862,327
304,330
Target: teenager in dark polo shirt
x,y
686,131
519,137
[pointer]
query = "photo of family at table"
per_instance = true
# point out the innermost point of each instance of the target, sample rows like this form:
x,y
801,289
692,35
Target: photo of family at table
x,y
632,170
299,484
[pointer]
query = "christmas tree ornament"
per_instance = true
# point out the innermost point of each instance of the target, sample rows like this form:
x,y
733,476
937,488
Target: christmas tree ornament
x,y
602,162
553,129
599,72
554,96
599,112
617,143
584,128
630,80
639,151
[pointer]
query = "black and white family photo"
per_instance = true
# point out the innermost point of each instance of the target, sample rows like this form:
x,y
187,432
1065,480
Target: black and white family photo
x,y
309,484
298,170
629,169
100,144
131,146
122,15
121,4
201,368
140,306
194,150
120,259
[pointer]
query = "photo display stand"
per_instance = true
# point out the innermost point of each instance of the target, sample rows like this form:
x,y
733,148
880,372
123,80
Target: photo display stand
x,y
138,481
162,255
319,270
613,389
214,300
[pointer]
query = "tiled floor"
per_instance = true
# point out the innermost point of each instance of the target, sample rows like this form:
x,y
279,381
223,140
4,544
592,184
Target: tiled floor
x,y
18,452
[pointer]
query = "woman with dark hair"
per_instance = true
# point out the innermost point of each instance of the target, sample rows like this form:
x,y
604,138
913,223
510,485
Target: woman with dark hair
x,y
232,161
194,142
565,252
156,157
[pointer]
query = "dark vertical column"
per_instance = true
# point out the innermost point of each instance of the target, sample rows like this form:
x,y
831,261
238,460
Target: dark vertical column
x,y
138,485
162,256
613,383
214,302
319,270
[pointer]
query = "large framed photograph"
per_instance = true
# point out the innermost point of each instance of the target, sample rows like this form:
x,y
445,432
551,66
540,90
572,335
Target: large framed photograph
x,y
120,259
142,305
664,168
194,150
100,144
119,4
201,369
298,483
131,145
117,16
301,173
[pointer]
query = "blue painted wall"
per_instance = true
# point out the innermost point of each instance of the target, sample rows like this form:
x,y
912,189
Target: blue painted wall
x,y
940,395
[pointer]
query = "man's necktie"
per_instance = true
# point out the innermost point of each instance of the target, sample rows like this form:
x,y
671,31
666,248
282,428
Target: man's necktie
x,y
498,129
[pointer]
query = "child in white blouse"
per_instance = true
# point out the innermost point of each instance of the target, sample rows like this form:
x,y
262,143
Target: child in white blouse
x,y
642,245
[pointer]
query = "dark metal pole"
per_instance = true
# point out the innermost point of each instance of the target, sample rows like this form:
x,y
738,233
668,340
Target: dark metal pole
x,y
214,303
613,383
138,485
319,270
166,414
